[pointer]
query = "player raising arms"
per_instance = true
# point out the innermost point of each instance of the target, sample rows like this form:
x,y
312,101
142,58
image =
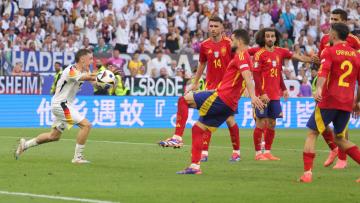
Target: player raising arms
x,y
339,70
65,113
270,87
215,54
216,106
337,16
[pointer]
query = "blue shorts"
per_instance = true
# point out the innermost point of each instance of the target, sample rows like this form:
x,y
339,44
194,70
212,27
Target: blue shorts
x,y
272,110
212,110
321,118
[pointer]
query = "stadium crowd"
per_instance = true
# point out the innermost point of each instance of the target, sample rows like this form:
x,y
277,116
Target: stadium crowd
x,y
164,26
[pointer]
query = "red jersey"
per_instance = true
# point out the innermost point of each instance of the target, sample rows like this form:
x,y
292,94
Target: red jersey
x,y
218,56
352,40
233,84
340,64
268,68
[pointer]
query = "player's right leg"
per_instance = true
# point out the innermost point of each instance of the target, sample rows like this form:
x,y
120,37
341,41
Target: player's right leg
x,y
53,135
183,105
317,123
260,123
81,138
328,136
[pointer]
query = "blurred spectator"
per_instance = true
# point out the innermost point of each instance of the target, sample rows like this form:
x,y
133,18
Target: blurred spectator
x,y
305,88
18,70
285,39
58,72
122,39
57,21
172,40
151,20
162,23
158,63
102,48
132,46
288,18
135,66
118,62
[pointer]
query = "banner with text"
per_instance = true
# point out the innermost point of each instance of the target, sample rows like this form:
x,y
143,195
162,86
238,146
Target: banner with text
x,y
137,112
20,85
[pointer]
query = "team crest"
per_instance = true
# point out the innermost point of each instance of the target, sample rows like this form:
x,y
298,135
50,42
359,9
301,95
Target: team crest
x,y
274,63
216,54
223,51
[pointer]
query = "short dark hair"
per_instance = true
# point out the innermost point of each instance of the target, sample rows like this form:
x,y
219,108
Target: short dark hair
x,y
343,14
243,35
260,36
341,29
80,53
215,18
58,63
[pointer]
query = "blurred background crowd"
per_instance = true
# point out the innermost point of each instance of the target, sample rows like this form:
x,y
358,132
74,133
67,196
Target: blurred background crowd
x,y
162,27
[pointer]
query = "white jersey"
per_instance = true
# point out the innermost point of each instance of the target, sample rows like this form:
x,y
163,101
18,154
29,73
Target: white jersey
x,y
67,86
66,115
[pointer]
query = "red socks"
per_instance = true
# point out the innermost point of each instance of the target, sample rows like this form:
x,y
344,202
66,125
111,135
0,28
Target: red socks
x,y
308,160
354,153
328,136
342,155
206,140
257,138
269,135
181,116
235,138
197,143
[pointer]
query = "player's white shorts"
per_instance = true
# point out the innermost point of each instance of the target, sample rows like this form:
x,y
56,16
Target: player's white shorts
x,y
65,116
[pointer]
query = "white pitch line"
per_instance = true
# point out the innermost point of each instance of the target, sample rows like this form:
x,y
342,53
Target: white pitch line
x,y
74,199
150,144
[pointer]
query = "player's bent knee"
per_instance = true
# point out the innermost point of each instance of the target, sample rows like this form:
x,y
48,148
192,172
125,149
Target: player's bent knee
x,y
85,124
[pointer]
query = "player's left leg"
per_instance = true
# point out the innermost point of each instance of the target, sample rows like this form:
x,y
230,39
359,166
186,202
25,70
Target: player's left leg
x,y
309,156
341,163
53,135
269,132
198,130
205,148
235,138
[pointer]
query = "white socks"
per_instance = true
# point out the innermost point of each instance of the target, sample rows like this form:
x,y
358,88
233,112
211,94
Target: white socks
x,y
258,152
78,150
206,153
236,151
195,166
266,151
31,143
177,137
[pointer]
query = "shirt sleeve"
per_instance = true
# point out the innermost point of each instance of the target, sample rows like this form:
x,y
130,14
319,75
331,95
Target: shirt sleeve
x,y
286,53
253,50
325,65
353,41
243,62
202,56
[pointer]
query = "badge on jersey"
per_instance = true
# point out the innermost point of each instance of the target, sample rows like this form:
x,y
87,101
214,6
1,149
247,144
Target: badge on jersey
x,y
223,51
274,63
216,54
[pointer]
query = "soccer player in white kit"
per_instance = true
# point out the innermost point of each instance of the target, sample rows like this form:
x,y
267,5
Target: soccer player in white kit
x,y
61,106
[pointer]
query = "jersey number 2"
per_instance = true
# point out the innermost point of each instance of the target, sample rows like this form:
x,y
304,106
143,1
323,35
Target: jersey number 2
x,y
347,73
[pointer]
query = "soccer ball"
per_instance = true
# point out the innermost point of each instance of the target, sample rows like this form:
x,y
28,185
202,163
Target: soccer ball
x,y
105,79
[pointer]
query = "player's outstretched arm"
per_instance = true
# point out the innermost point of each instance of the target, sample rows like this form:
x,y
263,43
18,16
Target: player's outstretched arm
x,y
88,77
256,102
306,59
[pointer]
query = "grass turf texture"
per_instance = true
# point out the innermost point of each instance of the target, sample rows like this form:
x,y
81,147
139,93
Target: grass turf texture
x,y
128,172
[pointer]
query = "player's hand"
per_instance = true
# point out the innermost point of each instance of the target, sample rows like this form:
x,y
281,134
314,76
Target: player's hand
x,y
286,95
317,95
193,87
356,111
265,98
257,103
315,59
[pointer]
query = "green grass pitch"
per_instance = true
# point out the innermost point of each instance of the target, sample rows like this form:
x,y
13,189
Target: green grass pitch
x,y
127,166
